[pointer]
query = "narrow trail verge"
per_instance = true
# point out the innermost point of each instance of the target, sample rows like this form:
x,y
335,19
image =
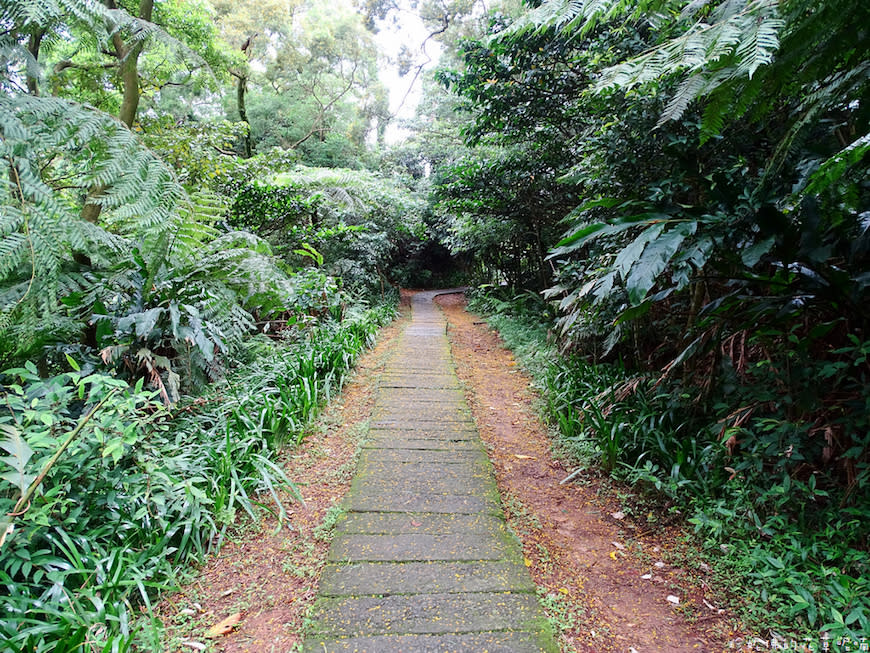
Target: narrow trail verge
x,y
602,581
269,578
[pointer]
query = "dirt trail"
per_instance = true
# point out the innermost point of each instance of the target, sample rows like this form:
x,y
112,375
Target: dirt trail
x,y
592,587
577,549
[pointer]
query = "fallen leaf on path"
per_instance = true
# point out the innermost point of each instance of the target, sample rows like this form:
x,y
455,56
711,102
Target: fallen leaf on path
x,y
619,546
528,562
225,626
522,457
415,524
199,646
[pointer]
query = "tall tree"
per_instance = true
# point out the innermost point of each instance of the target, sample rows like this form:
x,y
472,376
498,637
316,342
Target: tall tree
x,y
311,82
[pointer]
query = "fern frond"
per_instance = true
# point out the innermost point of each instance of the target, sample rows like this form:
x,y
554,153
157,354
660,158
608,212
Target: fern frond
x,y
677,105
41,228
744,36
758,46
576,16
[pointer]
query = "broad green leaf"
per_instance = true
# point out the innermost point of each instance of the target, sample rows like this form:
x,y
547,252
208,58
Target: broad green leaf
x,y
115,449
144,321
834,168
751,255
20,454
582,236
656,256
629,255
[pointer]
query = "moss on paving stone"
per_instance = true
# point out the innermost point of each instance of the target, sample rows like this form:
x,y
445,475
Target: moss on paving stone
x,y
491,642
404,522
428,614
423,560
391,577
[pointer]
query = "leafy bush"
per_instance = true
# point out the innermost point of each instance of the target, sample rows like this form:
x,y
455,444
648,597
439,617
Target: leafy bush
x,y
267,209
786,500
356,220
138,492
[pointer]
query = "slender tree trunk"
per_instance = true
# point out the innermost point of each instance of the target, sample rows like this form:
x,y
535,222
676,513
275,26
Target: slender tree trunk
x,y
128,58
241,89
33,47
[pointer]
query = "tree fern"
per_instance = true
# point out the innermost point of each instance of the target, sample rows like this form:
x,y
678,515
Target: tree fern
x,y
579,16
744,38
41,228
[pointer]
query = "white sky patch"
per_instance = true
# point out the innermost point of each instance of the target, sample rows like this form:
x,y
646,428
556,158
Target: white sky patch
x,y
404,27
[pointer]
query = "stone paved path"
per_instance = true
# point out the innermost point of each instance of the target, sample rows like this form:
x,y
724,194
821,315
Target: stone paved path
x,y
423,560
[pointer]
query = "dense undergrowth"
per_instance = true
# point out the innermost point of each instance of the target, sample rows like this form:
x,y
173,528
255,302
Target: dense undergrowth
x,y
128,491
788,538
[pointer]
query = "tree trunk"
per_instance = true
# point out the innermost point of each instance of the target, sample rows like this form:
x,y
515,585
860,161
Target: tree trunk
x,y
33,47
129,58
241,89
128,61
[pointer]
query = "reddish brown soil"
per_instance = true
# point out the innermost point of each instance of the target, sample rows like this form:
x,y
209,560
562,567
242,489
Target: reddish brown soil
x,y
585,558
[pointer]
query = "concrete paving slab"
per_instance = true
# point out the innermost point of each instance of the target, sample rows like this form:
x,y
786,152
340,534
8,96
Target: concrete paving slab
x,y
468,471
464,484
410,522
426,614
422,456
392,577
423,477
391,441
399,410
457,424
414,502
434,381
359,547
413,395
491,642
453,431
